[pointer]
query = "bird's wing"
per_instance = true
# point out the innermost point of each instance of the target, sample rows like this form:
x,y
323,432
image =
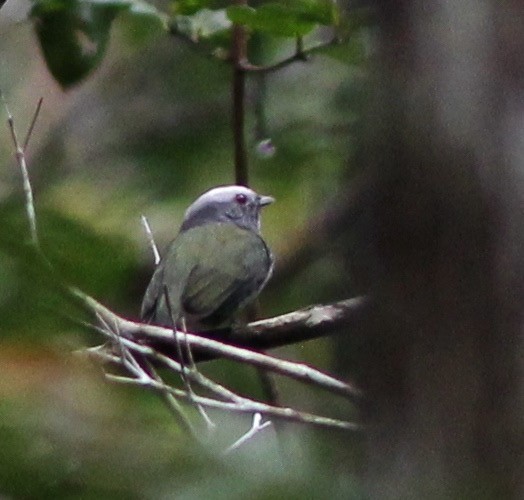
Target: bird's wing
x,y
207,276
168,279
229,277
152,296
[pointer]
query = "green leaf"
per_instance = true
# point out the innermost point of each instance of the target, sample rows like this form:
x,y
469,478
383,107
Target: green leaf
x,y
144,21
323,12
74,34
32,293
190,7
241,14
272,18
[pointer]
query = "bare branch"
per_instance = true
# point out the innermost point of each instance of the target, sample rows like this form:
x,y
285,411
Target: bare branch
x,y
33,123
150,239
229,401
255,428
244,407
183,368
20,158
127,360
316,317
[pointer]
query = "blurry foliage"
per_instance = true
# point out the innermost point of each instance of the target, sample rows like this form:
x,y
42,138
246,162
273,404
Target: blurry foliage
x,y
74,34
146,131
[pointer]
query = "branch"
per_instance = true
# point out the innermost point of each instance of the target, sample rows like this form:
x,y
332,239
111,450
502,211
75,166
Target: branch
x,y
228,400
20,158
256,427
300,55
238,91
319,318
242,407
150,239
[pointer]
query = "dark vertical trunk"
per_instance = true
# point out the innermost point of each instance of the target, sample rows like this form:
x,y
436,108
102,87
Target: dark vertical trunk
x,y
443,358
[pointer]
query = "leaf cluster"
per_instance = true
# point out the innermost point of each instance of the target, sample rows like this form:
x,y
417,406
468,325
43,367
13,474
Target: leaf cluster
x,y
74,34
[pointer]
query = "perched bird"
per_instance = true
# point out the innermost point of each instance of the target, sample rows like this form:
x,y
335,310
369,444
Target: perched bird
x,y
217,264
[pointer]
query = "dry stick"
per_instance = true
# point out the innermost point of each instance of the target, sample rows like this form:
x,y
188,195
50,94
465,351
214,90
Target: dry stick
x,y
20,157
233,402
194,371
174,406
251,407
102,354
33,123
297,371
178,344
256,427
128,361
150,239
184,371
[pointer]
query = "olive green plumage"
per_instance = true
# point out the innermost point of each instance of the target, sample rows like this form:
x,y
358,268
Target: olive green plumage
x,y
216,265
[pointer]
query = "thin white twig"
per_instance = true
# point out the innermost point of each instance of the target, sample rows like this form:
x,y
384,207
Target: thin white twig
x,y
151,239
20,158
255,428
194,370
174,405
233,402
248,407
178,341
128,361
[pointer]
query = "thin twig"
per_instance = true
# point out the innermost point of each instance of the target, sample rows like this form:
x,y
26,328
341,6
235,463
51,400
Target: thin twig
x,y
20,157
150,239
230,401
255,428
101,354
175,407
300,55
252,407
184,371
128,361
33,123
178,343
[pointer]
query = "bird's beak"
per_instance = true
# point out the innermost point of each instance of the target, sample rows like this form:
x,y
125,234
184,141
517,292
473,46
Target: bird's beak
x,y
265,200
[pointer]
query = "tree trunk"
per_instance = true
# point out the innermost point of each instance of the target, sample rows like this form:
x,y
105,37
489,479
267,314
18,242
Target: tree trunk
x,y
442,361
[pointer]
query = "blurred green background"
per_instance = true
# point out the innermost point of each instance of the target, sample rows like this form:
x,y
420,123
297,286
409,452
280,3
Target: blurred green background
x,y
146,133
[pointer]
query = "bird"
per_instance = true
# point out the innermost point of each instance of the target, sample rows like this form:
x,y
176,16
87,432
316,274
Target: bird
x,y
217,264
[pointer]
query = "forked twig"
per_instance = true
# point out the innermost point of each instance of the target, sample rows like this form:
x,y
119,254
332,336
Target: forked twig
x,y
129,362
20,158
256,427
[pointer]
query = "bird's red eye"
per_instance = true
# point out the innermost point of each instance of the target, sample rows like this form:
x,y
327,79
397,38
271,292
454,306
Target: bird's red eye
x,y
241,199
